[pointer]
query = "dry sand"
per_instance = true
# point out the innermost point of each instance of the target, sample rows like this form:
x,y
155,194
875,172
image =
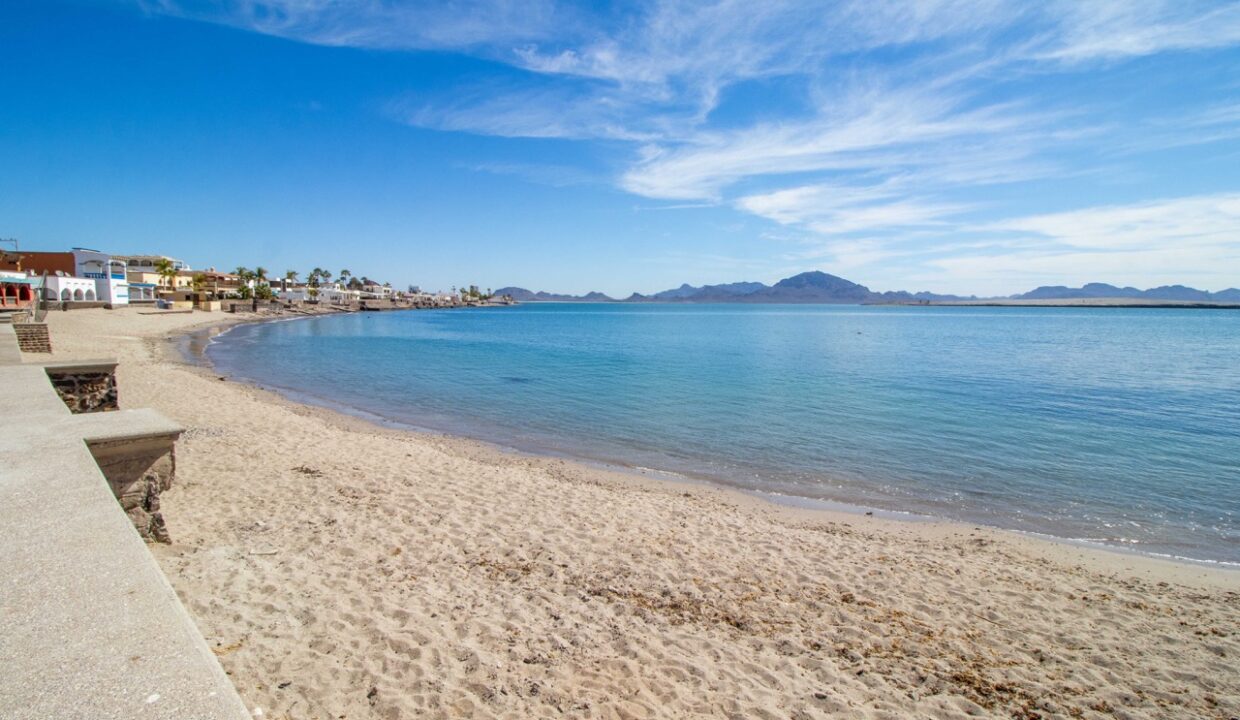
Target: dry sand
x,y
342,570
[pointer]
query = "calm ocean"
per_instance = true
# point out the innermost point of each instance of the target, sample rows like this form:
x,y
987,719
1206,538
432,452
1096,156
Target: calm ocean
x,y
1119,425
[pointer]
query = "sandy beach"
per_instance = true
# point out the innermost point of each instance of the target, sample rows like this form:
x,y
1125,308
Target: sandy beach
x,y
344,570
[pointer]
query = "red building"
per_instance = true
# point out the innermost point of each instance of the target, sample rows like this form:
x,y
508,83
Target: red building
x,y
16,292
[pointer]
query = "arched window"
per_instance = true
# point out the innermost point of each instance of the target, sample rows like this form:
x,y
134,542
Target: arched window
x,y
64,295
77,295
24,294
90,296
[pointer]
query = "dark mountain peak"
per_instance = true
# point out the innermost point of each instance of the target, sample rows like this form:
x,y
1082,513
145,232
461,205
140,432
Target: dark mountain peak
x,y
816,279
817,287
1107,288
516,293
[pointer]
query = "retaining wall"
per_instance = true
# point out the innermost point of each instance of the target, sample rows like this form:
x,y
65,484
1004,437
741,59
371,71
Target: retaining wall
x,y
33,337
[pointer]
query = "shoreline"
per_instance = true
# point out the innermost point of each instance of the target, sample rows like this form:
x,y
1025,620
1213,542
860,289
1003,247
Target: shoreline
x,y
1102,303
1089,303
339,568
833,508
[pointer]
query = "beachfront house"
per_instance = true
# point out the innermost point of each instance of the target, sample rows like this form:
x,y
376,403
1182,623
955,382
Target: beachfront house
x,y
142,292
214,283
16,291
68,289
111,284
108,283
375,291
331,294
142,271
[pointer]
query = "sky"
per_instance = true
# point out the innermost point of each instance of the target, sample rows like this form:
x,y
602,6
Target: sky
x,y
959,146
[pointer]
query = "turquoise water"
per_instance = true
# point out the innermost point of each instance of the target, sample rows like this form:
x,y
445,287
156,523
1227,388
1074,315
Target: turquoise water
x,y
1118,426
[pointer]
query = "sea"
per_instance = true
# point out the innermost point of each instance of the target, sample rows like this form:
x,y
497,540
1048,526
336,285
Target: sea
x,y
1116,426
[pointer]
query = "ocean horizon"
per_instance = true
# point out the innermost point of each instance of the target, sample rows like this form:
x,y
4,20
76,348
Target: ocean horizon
x,y
1119,426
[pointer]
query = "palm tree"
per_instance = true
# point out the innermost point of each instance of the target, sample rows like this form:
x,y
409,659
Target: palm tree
x,y
326,275
244,276
167,271
262,290
345,275
290,276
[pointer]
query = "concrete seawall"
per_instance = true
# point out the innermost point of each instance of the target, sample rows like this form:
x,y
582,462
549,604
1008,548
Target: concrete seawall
x,y
89,625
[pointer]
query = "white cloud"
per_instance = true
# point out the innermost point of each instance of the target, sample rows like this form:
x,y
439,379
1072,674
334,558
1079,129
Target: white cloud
x,y
841,209
1182,223
864,130
1182,240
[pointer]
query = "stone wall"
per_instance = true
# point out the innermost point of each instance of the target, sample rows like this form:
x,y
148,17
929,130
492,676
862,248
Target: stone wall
x,y
235,306
86,388
33,337
138,471
76,305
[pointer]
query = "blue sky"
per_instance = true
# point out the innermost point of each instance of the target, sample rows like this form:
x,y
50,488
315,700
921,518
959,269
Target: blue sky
x,y
971,146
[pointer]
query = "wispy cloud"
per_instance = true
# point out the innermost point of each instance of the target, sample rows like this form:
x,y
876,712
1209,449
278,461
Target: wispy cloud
x,y
873,129
529,113
476,25
842,209
909,110
1112,29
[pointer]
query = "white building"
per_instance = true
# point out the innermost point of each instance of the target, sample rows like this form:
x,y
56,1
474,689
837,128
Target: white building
x,y
326,294
140,292
149,263
70,289
378,292
108,273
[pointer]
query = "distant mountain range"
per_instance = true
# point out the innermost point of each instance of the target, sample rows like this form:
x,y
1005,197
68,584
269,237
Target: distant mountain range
x,y
1102,290
821,288
523,295
808,287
